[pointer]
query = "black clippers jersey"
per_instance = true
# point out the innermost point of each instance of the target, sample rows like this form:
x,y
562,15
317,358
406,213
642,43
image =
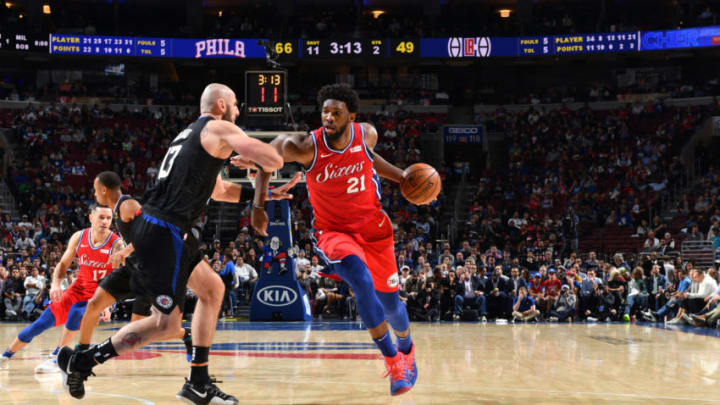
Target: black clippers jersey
x,y
185,179
124,228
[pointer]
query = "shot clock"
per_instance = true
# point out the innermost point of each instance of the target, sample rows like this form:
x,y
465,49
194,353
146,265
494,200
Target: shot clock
x,y
265,92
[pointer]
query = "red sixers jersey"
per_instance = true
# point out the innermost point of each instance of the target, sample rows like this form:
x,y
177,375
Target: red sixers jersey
x,y
343,186
93,263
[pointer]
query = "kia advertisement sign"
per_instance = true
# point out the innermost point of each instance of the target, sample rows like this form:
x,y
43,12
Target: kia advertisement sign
x,y
463,134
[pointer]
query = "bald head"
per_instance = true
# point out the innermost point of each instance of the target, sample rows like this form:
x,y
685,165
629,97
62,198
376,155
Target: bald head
x,y
218,99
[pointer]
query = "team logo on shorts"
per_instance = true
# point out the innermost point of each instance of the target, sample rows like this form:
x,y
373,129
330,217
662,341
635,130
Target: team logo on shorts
x,y
164,301
393,281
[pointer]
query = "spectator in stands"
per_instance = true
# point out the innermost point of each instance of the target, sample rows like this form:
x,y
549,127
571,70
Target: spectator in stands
x,y
684,285
564,307
637,297
655,285
498,301
694,300
589,295
591,261
25,223
620,262
695,234
245,277
524,306
516,281
551,290
651,243
24,241
649,261
34,284
78,169
469,293
616,286
13,292
711,311
227,273
300,260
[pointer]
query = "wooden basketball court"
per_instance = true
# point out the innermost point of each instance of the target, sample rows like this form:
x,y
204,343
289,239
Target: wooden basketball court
x,y
336,363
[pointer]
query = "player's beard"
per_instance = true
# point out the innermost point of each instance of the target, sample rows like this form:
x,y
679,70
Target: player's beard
x,y
228,115
339,131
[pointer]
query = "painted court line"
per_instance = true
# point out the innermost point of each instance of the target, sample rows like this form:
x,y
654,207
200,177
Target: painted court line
x,y
329,356
481,388
88,393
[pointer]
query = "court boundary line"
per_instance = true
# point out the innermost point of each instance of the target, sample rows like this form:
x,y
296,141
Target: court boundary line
x,y
592,393
689,329
90,393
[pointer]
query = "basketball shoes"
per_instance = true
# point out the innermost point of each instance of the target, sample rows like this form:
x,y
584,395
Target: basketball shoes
x,y
411,365
208,393
4,363
400,375
73,379
48,366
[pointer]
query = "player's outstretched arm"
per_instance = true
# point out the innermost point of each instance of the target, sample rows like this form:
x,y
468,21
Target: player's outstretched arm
x,y
248,148
292,148
382,167
227,191
62,266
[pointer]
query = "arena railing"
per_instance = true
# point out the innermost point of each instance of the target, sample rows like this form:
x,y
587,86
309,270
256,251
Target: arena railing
x,y
364,108
702,251
596,105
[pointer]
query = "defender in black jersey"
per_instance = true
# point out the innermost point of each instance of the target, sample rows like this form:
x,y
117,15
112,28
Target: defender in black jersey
x,y
186,179
108,192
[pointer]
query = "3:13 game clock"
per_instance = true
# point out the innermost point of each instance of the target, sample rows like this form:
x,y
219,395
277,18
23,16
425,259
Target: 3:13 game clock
x,y
331,49
265,92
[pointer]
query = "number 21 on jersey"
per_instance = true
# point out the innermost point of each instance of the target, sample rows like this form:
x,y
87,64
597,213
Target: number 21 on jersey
x,y
356,184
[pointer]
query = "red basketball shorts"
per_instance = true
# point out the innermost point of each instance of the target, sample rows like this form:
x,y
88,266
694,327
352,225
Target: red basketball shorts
x,y
70,297
374,245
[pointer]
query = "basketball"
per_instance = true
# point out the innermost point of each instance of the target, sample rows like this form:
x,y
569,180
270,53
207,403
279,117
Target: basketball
x,y
421,184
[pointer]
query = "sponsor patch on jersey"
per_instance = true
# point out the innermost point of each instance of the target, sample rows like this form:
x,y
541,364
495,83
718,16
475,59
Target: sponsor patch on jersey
x,y
356,149
164,301
393,281
104,250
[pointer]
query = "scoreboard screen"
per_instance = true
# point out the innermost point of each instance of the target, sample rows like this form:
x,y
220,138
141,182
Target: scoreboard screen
x,y
265,92
371,49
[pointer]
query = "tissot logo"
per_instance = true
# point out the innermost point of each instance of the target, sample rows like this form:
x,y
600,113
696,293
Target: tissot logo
x,y
277,296
463,130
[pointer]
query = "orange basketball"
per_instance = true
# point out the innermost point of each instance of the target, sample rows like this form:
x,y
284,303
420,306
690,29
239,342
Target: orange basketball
x,y
421,184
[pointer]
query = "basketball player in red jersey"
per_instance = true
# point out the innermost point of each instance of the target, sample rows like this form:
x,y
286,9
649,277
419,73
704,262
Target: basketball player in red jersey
x,y
351,232
92,247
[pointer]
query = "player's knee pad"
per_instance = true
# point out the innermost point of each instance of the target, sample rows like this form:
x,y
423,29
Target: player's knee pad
x,y
75,316
45,322
353,270
395,311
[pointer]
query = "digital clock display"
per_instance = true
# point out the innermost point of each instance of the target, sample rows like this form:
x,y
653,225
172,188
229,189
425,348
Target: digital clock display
x,y
265,92
366,48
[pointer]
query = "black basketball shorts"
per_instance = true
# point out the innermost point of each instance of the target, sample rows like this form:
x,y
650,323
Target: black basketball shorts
x,y
122,283
164,262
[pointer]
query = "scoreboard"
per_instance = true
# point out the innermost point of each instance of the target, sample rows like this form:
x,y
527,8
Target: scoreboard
x,y
155,47
365,48
265,92
484,47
